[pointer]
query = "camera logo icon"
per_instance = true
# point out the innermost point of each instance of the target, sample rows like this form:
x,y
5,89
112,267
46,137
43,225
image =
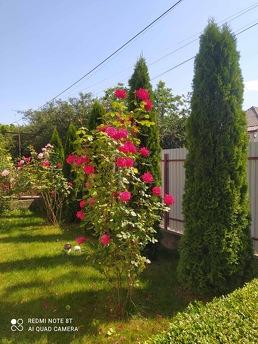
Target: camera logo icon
x,y
16,325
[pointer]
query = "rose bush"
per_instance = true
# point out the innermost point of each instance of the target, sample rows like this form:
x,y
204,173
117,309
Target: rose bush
x,y
120,205
42,174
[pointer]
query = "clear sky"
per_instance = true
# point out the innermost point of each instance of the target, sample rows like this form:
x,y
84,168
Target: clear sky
x,y
46,45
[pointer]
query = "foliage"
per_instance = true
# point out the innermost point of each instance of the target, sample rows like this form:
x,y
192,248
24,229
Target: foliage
x,y
68,149
58,114
57,143
43,174
95,118
6,173
216,251
173,112
231,319
119,203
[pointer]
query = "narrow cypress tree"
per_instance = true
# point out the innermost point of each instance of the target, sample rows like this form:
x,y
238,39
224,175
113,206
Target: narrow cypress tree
x,y
69,148
149,136
216,251
58,146
96,113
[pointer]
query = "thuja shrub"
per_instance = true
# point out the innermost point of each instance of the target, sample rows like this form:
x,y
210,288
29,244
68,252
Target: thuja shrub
x,y
120,204
230,319
216,249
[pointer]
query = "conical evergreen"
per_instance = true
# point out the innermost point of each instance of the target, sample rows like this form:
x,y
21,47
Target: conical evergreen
x,y
96,113
69,149
58,146
149,136
216,251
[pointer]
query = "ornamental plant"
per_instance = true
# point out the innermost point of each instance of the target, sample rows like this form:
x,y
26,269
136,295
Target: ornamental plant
x,y
6,174
216,250
120,204
42,173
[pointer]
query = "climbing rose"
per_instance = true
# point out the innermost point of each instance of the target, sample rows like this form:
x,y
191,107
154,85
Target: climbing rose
x,y
120,93
79,160
105,239
128,147
142,94
169,199
144,151
81,240
80,215
148,105
121,134
156,191
83,203
124,196
89,169
147,177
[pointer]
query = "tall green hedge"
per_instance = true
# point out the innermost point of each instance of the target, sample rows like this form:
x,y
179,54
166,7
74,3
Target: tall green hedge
x,y
216,251
225,320
58,145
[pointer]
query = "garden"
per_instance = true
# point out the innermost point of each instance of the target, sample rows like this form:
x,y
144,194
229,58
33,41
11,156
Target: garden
x,y
82,213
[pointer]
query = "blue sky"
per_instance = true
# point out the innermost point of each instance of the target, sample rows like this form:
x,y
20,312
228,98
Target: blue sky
x,y
47,45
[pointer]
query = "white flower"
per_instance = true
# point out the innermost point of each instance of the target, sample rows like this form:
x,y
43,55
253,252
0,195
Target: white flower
x,y
5,173
44,149
77,248
49,146
40,155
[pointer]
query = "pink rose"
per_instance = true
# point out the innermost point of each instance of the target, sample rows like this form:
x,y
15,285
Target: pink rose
x,y
120,93
124,196
89,169
156,191
169,199
147,177
81,240
144,151
128,147
80,215
105,239
142,94
148,105
83,203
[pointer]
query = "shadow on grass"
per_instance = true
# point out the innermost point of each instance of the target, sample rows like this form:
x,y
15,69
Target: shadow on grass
x,y
37,238
159,297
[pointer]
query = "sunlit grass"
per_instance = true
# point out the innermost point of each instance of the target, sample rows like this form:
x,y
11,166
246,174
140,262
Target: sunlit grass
x,y
39,280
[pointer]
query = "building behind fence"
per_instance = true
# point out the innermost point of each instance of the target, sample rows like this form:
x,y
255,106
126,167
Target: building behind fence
x,y
173,180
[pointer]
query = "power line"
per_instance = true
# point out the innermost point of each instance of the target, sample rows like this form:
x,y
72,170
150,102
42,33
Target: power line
x,y
224,21
191,58
116,51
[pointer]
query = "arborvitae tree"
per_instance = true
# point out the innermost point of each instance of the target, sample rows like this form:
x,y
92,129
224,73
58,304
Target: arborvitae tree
x,y
58,146
149,136
216,251
96,113
69,148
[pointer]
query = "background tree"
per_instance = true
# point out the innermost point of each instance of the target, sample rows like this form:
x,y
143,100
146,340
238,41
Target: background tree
x,y
68,149
216,251
172,114
96,114
149,136
58,146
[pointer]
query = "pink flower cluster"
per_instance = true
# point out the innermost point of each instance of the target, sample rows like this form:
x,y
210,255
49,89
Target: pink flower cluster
x,y
144,151
105,239
124,196
128,147
77,160
124,162
81,240
147,178
120,93
116,134
143,95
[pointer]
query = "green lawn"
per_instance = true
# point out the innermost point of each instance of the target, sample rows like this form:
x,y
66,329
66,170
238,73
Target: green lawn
x,y
38,280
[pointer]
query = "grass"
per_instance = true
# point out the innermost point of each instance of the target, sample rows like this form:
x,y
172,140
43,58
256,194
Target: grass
x,y
38,280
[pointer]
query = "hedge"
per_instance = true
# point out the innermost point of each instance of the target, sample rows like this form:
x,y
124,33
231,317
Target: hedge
x,y
228,319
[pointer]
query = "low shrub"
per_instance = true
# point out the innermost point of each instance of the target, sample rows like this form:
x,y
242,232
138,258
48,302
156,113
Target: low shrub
x,y
228,319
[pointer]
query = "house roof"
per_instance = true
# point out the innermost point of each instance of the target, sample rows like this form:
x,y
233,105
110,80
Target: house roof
x,y
252,117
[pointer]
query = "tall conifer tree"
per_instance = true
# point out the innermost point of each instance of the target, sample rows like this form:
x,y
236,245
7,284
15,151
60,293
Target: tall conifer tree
x,y
216,251
96,113
69,149
58,146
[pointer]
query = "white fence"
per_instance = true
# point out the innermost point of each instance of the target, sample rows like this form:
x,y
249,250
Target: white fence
x,y
173,179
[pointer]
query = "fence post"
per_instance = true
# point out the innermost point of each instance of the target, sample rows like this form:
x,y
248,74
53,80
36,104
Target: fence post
x,y
166,186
